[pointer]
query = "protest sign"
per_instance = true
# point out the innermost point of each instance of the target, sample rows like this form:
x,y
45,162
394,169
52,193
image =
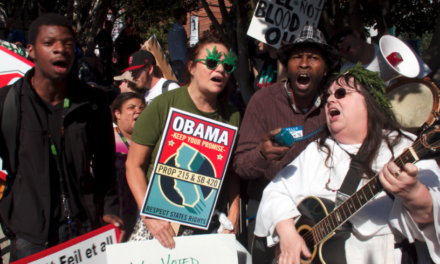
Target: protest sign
x,y
88,248
201,249
278,20
153,46
189,170
12,47
12,66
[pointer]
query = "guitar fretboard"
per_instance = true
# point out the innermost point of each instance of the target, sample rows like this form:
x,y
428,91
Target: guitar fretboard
x,y
358,200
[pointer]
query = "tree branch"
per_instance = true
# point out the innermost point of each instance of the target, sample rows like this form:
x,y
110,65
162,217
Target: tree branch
x,y
355,16
242,74
380,11
228,22
215,22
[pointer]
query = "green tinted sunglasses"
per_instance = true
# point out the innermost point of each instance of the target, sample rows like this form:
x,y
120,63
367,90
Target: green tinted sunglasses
x,y
213,59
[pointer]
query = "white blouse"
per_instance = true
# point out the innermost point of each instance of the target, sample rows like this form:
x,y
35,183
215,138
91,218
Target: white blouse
x,y
307,175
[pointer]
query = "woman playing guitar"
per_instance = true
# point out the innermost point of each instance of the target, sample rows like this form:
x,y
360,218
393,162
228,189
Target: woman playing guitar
x,y
355,159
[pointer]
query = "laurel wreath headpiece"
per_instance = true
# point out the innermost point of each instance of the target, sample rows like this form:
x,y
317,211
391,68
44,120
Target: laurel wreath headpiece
x,y
373,82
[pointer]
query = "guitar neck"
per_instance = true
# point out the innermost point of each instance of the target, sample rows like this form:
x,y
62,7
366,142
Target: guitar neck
x,y
358,200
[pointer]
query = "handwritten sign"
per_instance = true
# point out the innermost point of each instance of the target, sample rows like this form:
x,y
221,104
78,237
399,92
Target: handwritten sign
x,y
201,249
278,20
88,248
189,169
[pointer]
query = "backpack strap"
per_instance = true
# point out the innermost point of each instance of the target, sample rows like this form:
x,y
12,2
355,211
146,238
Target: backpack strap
x,y
166,84
10,126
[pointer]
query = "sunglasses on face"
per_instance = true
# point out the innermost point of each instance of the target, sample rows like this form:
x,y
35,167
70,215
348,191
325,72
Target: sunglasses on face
x,y
340,39
339,93
212,64
213,59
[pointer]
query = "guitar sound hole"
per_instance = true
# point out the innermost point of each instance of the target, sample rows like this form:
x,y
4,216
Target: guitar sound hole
x,y
304,258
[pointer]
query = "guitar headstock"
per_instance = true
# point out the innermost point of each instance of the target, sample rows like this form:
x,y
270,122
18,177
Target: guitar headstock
x,y
430,141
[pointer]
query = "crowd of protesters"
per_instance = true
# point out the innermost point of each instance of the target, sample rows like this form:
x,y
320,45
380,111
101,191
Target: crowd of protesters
x,y
81,150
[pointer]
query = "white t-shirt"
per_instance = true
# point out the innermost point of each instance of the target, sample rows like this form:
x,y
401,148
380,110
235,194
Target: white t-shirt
x,y
157,90
374,64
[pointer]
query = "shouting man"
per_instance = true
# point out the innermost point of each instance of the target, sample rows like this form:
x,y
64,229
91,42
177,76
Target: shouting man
x,y
62,127
296,105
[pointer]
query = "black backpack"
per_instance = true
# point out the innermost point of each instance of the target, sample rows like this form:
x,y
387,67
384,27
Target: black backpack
x,y
10,126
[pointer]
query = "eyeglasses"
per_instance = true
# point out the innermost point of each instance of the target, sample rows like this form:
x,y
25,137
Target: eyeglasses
x,y
213,59
339,93
213,64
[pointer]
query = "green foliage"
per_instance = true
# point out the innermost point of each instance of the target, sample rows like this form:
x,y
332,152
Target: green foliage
x,y
373,82
408,16
415,16
425,40
156,17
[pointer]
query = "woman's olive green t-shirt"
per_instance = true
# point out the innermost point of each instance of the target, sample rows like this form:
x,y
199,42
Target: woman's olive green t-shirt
x,y
150,124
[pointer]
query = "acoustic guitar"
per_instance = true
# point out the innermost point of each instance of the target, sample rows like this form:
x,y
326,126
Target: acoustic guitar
x,y
318,227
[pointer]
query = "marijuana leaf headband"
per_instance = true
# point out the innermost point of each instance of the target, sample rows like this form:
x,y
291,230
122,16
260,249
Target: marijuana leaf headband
x,y
213,59
373,82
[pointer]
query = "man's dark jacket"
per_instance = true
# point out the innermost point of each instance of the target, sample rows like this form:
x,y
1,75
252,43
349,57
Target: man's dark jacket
x,y
89,141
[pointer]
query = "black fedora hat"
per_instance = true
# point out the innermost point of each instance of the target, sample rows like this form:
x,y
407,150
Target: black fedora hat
x,y
312,35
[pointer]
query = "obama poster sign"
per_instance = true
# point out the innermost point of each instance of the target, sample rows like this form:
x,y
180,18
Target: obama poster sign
x,y
189,170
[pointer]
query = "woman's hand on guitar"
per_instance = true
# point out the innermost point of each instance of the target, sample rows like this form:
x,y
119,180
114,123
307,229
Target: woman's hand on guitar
x,y
406,185
161,230
291,243
400,183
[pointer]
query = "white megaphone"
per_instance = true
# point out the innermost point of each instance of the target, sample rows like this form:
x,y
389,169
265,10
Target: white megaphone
x,y
409,67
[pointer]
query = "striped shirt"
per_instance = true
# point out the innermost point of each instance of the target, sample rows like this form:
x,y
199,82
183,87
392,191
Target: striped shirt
x,y
268,109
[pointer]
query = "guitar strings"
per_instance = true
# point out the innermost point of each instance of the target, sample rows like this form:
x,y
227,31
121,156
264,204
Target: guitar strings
x,y
309,236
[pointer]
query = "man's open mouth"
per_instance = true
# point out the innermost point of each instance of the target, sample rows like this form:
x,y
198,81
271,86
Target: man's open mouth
x,y
60,64
348,48
303,79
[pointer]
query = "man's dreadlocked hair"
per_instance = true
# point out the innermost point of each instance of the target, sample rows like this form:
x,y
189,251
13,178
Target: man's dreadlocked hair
x,y
381,120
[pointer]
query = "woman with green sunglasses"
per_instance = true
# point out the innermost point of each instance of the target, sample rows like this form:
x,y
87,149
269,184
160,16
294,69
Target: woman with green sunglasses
x,y
210,64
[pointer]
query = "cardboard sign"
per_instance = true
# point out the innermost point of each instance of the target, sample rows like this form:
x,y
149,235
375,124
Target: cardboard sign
x,y
201,249
153,46
88,248
189,170
278,20
12,66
